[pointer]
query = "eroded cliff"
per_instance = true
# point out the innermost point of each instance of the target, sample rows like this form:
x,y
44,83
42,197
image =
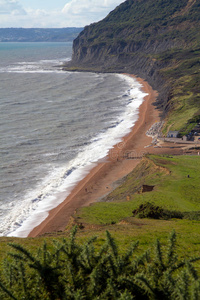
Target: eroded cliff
x,y
151,39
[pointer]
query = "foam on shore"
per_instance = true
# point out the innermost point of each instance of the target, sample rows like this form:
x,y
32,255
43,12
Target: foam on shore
x,y
59,183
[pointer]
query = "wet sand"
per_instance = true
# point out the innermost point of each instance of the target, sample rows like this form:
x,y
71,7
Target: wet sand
x,y
100,181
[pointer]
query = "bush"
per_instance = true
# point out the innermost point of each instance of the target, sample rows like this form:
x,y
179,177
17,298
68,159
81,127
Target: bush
x,y
73,271
152,211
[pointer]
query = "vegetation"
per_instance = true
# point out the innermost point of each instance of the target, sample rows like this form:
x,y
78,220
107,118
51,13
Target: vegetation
x,y
157,40
173,190
174,193
152,211
117,266
74,271
185,97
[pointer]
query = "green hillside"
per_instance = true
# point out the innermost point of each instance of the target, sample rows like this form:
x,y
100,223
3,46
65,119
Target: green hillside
x,y
114,253
175,187
156,40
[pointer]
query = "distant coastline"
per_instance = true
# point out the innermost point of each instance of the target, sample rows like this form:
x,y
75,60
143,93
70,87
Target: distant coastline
x,y
39,34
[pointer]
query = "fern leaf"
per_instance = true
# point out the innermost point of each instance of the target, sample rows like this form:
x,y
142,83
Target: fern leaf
x,y
112,244
191,270
7,291
159,256
130,251
21,249
171,257
144,282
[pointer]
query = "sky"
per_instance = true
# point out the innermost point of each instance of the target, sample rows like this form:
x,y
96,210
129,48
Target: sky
x,y
53,13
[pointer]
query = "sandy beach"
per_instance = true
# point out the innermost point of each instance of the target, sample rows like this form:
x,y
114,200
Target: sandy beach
x,y
100,181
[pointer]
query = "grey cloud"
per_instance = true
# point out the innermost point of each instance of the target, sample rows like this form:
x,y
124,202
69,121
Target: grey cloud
x,y
10,7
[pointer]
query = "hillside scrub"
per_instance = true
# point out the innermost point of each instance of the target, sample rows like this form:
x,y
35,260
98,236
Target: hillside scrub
x,y
70,270
173,190
155,40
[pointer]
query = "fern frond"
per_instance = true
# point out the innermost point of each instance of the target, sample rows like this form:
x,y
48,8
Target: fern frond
x,y
112,244
130,252
183,286
86,258
73,237
21,249
171,257
78,295
7,292
159,255
140,260
111,290
112,267
195,293
126,295
145,283
191,270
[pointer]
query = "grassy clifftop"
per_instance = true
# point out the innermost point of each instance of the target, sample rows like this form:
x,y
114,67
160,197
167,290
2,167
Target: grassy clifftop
x,y
169,182
171,190
67,269
156,40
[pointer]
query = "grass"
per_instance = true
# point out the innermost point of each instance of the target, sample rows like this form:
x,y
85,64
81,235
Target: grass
x,y
146,231
172,190
184,103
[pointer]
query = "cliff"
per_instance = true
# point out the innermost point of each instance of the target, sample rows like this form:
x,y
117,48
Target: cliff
x,y
157,40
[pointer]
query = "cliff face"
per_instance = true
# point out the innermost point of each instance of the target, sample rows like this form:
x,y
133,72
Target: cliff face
x,y
143,37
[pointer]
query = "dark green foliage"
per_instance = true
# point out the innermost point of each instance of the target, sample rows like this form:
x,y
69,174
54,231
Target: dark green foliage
x,y
192,215
152,211
74,271
195,119
146,21
158,40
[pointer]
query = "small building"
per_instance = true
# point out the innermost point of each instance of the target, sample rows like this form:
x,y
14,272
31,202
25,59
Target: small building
x,y
185,138
172,134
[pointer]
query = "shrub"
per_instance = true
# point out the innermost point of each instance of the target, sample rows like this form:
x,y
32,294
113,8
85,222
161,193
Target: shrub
x,y
152,211
73,271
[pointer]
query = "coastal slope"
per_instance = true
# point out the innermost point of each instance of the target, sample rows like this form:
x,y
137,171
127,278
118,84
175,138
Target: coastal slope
x,y
100,180
158,41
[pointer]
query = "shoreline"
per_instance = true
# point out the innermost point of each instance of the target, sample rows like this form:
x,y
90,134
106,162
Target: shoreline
x,y
101,178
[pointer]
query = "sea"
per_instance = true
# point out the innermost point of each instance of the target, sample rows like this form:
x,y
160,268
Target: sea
x,y
54,128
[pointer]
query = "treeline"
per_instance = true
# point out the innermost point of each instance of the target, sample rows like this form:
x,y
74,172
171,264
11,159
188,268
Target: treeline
x,y
68,270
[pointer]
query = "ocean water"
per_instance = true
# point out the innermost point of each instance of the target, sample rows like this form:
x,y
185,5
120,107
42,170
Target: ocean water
x,y
54,127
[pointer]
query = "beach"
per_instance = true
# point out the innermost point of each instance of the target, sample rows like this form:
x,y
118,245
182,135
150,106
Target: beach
x,y
100,181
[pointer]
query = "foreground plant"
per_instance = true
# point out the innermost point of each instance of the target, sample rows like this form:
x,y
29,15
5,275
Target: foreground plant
x,y
73,271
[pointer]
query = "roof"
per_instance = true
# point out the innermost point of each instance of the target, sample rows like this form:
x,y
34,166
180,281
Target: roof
x,y
172,132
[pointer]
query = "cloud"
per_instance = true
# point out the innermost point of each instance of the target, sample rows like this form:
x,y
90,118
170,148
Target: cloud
x,y
75,13
11,7
85,12
78,7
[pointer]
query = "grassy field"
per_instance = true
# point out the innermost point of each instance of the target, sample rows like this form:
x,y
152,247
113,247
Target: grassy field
x,y
172,189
